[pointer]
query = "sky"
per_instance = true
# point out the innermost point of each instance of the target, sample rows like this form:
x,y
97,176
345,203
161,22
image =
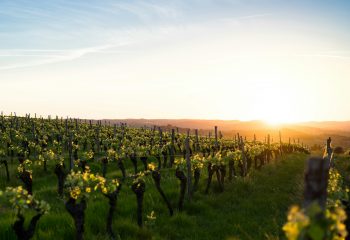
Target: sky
x,y
272,60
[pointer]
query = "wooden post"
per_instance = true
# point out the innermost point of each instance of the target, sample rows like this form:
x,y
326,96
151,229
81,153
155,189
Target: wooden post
x,y
281,149
114,131
172,148
160,136
33,130
316,181
268,152
189,170
76,125
238,141
66,125
123,131
197,141
329,152
70,151
244,158
97,138
254,138
216,138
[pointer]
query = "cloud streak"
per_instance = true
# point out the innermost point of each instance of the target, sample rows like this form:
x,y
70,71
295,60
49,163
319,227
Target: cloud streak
x,y
49,56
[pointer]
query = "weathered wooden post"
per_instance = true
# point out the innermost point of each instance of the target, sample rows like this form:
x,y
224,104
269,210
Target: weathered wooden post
x,y
33,130
268,150
70,151
188,163
197,140
97,138
239,140
244,157
114,131
216,138
160,136
281,149
316,181
66,126
329,152
76,125
123,126
172,148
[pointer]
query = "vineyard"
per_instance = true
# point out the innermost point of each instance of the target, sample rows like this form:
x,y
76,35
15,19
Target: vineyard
x,y
74,179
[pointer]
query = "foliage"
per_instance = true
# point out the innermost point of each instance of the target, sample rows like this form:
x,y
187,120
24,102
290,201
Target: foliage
x,y
21,200
315,224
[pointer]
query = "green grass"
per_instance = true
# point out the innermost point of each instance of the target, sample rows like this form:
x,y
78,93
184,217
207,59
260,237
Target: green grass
x,y
250,208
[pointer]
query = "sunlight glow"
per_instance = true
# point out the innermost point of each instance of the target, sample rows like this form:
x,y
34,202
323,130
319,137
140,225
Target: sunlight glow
x,y
164,60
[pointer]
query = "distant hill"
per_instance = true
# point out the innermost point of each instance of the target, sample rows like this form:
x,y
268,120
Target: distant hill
x,y
309,133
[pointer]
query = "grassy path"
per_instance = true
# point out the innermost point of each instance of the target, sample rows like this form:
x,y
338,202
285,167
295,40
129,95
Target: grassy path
x,y
248,209
252,208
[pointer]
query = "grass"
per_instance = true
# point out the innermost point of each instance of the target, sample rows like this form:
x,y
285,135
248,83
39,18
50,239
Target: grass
x,y
250,208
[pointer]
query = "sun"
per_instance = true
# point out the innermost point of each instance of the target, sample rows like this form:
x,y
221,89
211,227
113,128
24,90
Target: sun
x,y
277,109
276,120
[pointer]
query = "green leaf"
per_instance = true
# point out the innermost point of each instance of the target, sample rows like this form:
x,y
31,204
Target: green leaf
x,y
316,232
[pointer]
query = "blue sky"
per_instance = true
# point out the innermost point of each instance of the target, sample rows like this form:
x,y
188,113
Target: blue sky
x,y
174,49
62,25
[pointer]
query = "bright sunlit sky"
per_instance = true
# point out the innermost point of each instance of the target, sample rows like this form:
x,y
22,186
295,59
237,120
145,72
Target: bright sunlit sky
x,y
279,61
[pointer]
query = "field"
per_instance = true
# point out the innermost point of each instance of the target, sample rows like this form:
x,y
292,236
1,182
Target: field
x,y
249,203
252,208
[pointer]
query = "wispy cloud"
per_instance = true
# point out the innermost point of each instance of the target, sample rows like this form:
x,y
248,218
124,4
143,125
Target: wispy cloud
x,y
48,56
146,11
